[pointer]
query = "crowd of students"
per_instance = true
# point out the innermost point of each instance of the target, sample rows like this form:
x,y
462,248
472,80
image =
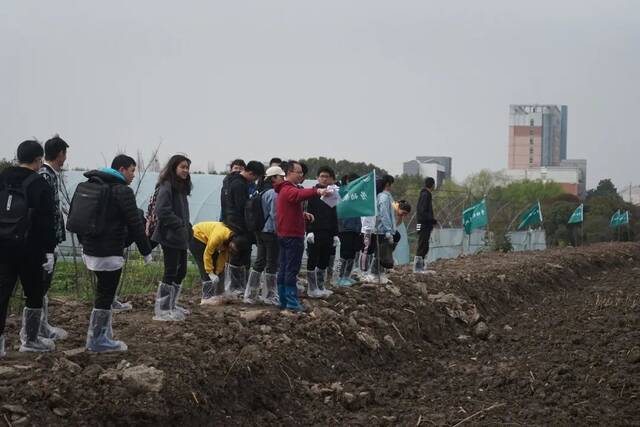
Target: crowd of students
x,y
268,209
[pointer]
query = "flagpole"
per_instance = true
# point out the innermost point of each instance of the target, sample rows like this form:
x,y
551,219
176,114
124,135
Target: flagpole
x,y
378,259
464,204
619,231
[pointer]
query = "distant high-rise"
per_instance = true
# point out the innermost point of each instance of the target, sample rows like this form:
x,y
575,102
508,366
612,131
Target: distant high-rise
x,y
437,167
538,148
537,135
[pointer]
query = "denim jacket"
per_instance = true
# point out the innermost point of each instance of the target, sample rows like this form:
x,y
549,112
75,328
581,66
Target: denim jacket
x,y
386,219
269,209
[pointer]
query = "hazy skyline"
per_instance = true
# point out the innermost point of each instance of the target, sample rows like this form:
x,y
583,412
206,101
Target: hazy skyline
x,y
371,81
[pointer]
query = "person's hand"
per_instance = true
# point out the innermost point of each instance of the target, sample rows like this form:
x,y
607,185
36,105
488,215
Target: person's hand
x,y
324,191
147,259
48,266
309,217
214,278
311,238
336,241
389,237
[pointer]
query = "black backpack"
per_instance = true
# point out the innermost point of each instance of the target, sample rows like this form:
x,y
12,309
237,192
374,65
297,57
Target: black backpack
x,y
15,213
88,209
253,213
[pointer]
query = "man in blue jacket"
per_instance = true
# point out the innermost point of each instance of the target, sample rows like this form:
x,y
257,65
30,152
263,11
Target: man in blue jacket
x,y
385,228
267,244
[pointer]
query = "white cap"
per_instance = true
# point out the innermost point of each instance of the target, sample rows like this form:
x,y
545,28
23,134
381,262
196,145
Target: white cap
x,y
274,171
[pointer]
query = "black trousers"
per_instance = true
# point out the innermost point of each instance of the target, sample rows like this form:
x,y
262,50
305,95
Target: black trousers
x,y
378,245
423,241
48,277
175,265
243,258
268,251
319,252
350,243
197,249
27,267
106,289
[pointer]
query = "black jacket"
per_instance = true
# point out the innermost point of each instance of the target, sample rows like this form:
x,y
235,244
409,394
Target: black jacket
x,y
225,184
326,217
425,209
123,222
172,209
234,198
42,234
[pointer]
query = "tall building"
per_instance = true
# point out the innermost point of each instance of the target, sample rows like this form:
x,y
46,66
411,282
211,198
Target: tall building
x,y
538,148
537,135
437,167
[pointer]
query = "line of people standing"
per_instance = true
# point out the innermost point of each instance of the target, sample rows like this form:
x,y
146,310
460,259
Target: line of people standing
x,y
266,208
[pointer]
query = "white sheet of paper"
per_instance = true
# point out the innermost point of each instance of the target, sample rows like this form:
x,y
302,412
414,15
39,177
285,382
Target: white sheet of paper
x,y
332,198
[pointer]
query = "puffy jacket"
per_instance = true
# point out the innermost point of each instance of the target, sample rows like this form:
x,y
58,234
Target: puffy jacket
x,y
213,235
172,210
123,220
290,218
234,198
42,234
326,217
424,210
386,218
225,183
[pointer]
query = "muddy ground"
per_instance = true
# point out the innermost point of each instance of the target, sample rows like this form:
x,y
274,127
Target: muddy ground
x,y
547,338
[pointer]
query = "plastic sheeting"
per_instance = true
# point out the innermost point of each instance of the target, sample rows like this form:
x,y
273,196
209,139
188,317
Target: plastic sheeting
x,y
452,242
204,202
532,240
402,255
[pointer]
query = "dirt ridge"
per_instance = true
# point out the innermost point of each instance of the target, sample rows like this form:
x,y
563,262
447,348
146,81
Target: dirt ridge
x,y
398,353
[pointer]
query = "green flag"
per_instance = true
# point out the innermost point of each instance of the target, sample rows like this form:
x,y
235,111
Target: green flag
x,y
619,218
475,217
577,216
532,216
615,219
625,218
358,198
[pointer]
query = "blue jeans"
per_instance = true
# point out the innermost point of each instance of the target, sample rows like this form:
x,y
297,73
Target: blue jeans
x,y
290,259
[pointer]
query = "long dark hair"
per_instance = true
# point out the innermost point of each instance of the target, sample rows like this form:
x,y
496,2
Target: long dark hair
x,y
169,174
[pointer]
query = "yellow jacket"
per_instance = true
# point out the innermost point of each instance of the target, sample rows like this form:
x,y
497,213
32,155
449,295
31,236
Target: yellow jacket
x,y
396,208
214,235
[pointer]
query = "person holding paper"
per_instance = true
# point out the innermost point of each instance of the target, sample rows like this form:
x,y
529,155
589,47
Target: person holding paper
x,y
321,234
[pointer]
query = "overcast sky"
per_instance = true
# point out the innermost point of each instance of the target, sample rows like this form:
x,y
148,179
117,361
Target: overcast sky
x,y
374,81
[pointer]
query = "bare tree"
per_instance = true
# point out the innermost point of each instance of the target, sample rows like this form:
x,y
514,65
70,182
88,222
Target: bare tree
x,y
152,160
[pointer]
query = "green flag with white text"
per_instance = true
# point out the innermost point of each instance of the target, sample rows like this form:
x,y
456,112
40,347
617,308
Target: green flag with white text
x,y
577,216
358,198
533,216
625,218
475,217
615,219
619,218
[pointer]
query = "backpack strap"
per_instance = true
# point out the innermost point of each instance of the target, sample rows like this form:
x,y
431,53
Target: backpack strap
x,y
97,179
27,182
